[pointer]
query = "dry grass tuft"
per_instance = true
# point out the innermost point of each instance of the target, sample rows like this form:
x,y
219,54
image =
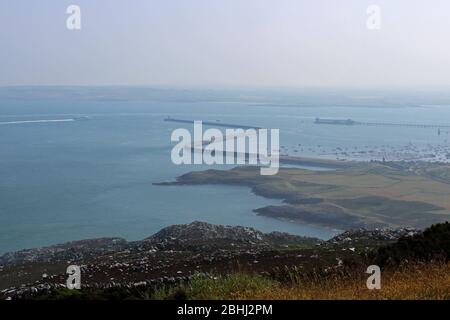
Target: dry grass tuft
x,y
422,282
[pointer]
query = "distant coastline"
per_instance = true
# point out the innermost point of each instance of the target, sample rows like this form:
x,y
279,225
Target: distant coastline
x,y
355,195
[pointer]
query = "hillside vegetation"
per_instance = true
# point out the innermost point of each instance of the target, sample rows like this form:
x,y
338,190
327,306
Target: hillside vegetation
x,y
416,266
369,195
418,282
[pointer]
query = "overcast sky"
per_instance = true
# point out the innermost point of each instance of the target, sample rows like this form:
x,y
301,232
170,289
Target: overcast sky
x,y
225,43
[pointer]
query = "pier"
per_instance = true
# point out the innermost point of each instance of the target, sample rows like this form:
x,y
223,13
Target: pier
x,y
212,123
350,122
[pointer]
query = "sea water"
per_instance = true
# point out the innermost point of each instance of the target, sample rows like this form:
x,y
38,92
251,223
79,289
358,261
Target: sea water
x,y
70,180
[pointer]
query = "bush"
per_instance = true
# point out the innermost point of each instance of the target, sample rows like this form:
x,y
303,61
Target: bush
x,y
432,244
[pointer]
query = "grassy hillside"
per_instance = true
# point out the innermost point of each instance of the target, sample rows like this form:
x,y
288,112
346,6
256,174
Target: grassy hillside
x,y
431,245
419,282
422,281
414,267
364,195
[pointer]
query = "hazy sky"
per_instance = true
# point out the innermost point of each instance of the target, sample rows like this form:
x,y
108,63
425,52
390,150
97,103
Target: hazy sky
x,y
225,42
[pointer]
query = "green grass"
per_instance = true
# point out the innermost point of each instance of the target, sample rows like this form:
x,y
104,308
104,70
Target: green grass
x,y
370,194
422,281
419,281
218,288
428,281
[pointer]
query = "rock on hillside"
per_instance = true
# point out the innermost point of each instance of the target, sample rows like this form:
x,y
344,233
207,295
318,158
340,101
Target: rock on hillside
x,y
70,251
197,236
196,231
369,236
202,231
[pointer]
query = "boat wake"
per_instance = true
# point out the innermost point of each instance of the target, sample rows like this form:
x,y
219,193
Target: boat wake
x,y
37,121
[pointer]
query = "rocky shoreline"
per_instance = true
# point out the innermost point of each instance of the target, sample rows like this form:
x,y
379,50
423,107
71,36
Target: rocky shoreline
x,y
363,195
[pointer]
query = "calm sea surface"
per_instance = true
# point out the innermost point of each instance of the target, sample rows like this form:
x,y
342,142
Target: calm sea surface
x,y
62,181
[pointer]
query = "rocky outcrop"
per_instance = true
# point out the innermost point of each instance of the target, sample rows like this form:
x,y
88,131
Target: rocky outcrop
x,y
370,236
204,231
71,251
180,252
196,236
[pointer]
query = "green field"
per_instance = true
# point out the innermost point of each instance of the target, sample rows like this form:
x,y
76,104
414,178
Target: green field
x,y
360,195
